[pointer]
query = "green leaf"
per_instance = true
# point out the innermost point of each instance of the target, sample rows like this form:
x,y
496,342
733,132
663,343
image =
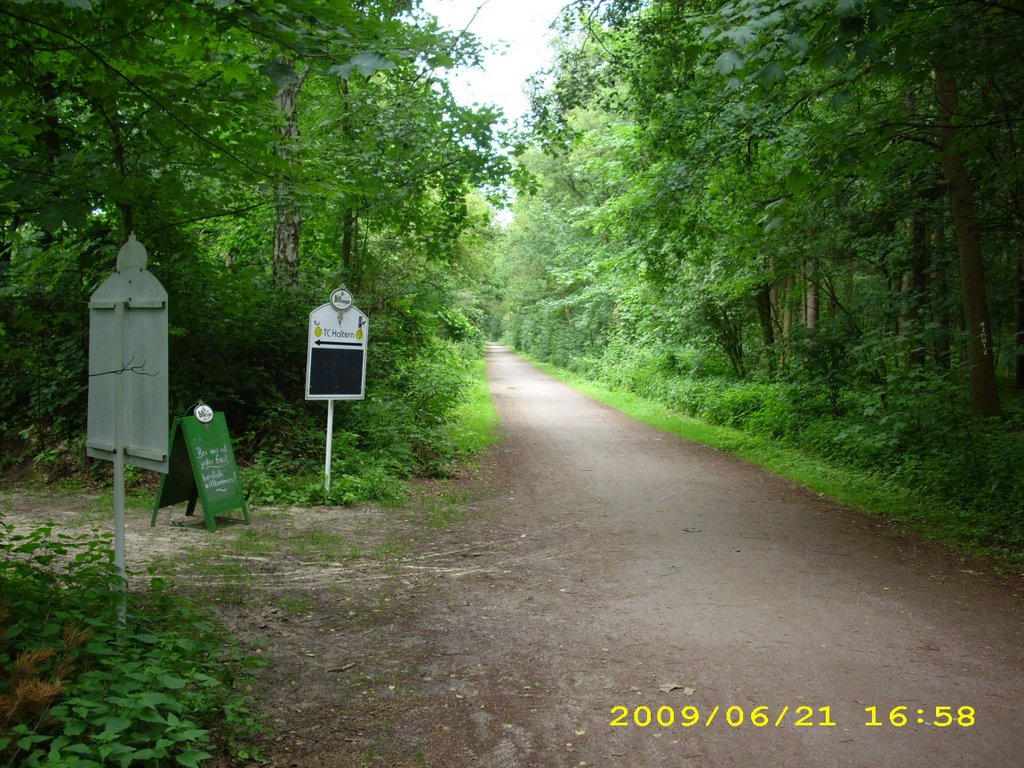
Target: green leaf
x,y
366,62
172,682
236,72
796,180
729,62
26,742
869,48
112,727
155,699
797,44
279,73
839,99
51,218
740,35
191,758
770,74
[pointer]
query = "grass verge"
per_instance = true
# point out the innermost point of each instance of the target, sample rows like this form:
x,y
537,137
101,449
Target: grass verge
x,y
476,425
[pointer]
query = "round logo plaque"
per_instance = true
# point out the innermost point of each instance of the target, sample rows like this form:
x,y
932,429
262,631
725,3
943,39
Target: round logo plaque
x,y
204,413
341,299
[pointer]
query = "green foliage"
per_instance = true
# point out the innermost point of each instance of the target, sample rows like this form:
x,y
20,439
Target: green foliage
x,y
166,118
740,212
81,686
476,424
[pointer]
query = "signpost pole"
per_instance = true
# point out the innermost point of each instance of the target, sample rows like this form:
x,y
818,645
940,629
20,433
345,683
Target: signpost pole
x,y
127,408
119,441
330,440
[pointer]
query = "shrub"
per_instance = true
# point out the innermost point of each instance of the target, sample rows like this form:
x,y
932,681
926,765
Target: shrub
x,y
81,686
734,404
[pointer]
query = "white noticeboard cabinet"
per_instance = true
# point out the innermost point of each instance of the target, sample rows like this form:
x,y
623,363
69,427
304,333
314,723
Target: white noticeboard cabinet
x,y
128,365
127,412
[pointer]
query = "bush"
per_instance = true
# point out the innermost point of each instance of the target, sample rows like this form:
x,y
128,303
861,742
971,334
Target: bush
x,y
81,687
735,404
237,341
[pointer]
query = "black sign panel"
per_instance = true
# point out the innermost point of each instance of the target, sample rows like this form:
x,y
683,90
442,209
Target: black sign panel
x,y
334,371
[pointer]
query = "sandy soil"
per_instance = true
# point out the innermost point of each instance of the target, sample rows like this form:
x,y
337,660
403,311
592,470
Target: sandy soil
x,y
605,571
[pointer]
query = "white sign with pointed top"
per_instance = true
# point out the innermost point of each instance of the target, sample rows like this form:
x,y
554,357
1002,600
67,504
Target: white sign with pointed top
x,y
336,354
127,412
128,364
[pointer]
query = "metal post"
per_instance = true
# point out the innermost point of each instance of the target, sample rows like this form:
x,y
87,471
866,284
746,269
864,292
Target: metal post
x,y
330,438
119,427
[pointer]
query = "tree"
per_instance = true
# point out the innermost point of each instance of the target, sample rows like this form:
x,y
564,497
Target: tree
x,y
776,219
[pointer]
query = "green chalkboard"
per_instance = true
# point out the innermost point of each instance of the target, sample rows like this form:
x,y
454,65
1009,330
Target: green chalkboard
x,y
201,468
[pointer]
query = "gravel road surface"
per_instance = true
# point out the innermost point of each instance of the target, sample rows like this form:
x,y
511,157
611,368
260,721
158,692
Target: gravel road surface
x,y
640,579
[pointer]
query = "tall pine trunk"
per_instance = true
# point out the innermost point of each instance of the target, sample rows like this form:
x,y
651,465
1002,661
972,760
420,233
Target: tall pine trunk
x,y
811,295
984,394
763,301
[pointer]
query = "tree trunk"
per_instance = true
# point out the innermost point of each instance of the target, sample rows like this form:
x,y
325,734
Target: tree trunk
x,y
287,229
1018,378
916,290
787,307
126,210
288,215
941,295
349,238
811,296
984,394
763,299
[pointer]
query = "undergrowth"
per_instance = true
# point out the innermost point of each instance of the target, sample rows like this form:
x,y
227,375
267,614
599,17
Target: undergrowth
x,y
82,687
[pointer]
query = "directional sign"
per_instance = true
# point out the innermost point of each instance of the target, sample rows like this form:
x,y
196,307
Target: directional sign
x,y
336,354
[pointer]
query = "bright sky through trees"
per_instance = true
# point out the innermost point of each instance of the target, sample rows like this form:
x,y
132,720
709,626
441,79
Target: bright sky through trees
x,y
520,29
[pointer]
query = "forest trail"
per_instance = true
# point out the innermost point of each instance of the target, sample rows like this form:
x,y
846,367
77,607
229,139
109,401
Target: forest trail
x,y
638,570
593,570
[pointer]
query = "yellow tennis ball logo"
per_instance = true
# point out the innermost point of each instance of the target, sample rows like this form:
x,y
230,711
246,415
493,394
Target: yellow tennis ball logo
x,y
318,332
359,334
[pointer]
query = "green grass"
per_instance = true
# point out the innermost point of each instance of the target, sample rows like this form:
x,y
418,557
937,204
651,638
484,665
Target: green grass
x,y
441,511
476,425
856,488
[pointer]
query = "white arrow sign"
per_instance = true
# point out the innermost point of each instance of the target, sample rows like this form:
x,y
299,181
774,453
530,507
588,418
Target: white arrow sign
x,y
336,354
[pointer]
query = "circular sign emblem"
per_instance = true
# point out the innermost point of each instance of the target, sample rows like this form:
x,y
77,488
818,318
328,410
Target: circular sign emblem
x,y
204,413
341,299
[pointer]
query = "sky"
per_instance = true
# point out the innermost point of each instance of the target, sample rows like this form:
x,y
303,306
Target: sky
x,y
520,27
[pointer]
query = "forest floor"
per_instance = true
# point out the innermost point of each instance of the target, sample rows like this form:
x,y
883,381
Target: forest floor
x,y
590,571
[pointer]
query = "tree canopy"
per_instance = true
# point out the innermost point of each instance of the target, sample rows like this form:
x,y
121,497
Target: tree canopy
x,y
264,152
798,217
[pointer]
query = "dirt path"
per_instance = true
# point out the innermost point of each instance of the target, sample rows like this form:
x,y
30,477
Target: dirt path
x,y
601,564
632,562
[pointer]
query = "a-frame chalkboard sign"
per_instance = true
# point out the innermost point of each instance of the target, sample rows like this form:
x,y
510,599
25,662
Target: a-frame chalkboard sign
x,y
202,468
